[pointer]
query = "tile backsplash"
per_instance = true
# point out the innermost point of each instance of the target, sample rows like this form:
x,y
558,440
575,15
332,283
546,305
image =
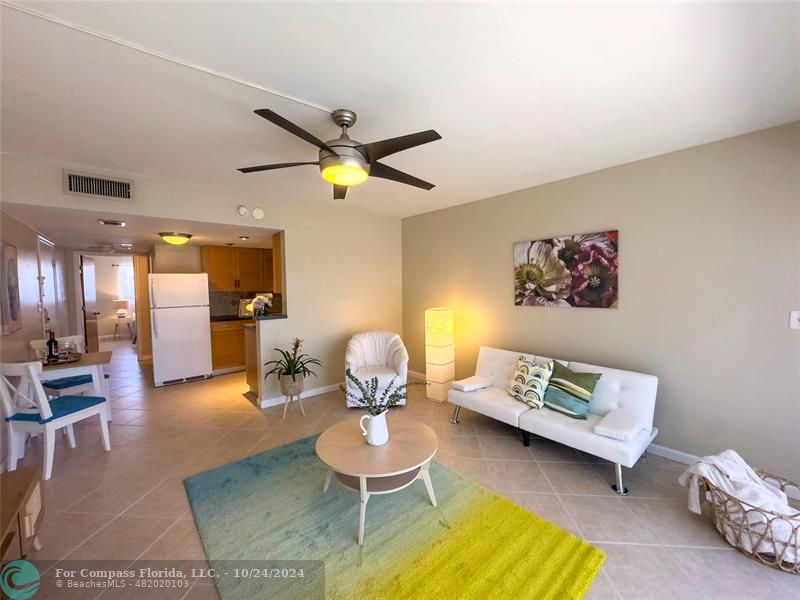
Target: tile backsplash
x,y
223,304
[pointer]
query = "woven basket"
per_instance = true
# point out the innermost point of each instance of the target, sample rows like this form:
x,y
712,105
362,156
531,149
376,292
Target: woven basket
x,y
765,536
291,387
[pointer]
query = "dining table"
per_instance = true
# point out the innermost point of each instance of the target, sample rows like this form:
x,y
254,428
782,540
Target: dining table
x,y
91,363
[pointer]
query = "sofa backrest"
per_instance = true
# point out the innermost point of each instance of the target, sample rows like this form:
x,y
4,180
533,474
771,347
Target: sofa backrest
x,y
498,365
627,390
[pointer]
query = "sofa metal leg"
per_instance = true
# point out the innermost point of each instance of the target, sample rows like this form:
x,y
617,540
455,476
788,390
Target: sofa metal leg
x,y
456,418
619,486
526,438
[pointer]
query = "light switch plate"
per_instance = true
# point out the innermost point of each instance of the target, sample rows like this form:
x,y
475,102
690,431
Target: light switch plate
x,y
794,319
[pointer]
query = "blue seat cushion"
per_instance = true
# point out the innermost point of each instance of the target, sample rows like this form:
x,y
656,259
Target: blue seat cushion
x,y
60,407
67,382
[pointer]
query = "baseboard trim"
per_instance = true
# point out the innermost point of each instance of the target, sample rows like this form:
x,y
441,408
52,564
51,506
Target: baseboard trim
x,y
672,454
417,375
227,371
277,400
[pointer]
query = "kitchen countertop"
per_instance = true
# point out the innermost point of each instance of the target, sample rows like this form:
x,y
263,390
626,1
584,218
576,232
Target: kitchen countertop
x,y
236,318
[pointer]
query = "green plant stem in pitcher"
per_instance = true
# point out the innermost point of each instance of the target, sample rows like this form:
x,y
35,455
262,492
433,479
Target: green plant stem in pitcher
x,y
369,393
292,362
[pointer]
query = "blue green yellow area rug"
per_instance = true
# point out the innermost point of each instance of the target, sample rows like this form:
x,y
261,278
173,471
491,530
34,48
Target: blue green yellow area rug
x,y
269,509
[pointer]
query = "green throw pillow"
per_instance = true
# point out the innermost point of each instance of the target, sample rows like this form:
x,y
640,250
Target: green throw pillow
x,y
570,392
530,381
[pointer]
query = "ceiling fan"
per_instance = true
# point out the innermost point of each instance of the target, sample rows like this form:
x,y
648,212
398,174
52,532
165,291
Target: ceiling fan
x,y
345,162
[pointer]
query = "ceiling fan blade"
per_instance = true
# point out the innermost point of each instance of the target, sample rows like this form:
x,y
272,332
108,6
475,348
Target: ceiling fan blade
x,y
339,192
386,172
377,150
283,123
275,166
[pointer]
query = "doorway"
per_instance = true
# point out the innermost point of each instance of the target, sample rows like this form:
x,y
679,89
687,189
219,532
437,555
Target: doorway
x,y
89,304
108,287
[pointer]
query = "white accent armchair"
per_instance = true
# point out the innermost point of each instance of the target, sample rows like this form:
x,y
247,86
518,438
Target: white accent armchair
x,y
380,354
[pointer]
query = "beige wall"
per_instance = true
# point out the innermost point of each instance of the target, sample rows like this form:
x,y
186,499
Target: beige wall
x,y
709,270
14,347
343,266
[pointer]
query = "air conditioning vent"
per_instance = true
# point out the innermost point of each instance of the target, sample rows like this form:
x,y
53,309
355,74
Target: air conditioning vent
x,y
84,184
102,249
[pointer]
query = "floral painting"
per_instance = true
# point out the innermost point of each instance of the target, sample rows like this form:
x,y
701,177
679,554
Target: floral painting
x,y
571,271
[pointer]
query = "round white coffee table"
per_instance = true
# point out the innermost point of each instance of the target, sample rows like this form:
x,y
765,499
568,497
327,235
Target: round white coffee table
x,y
370,470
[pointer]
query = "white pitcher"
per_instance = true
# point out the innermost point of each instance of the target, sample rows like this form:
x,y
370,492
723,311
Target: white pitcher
x,y
376,433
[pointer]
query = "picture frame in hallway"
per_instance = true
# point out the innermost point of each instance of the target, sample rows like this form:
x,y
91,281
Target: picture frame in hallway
x,y
10,307
575,271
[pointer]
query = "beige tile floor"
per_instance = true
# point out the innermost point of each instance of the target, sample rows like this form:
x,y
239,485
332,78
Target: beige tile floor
x,y
129,504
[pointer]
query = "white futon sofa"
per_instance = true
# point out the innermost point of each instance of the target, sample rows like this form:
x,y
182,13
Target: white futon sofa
x,y
622,403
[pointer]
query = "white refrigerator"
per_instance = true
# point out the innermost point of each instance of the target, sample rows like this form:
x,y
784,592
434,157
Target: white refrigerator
x,y
180,324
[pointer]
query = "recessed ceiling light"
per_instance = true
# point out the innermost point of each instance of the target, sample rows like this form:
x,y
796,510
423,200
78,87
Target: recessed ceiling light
x,y
175,238
112,222
244,237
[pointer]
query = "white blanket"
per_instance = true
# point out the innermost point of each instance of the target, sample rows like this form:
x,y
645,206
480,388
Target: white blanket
x,y
729,472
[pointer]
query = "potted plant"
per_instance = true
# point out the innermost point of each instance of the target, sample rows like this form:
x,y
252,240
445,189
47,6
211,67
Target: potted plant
x,y
376,432
292,368
261,305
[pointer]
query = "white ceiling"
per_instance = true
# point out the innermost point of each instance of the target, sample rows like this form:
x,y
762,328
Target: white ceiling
x,y
79,229
521,93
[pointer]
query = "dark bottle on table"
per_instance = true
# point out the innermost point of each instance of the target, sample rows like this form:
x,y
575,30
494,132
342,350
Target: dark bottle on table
x,y
52,346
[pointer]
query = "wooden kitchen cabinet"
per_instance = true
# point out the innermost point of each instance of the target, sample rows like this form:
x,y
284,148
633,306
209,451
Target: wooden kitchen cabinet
x,y
221,264
251,269
238,269
227,344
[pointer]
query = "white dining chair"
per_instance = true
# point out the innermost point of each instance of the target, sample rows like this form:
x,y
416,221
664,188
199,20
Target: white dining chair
x,y
63,386
27,410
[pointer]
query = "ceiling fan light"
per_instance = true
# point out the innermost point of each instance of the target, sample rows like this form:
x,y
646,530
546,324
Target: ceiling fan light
x,y
176,239
344,175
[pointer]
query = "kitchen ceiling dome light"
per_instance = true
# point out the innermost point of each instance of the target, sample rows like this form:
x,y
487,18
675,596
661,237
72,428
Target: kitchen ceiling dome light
x,y
175,238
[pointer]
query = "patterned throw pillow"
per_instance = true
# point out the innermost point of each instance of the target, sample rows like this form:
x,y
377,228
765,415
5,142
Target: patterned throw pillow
x,y
530,381
570,392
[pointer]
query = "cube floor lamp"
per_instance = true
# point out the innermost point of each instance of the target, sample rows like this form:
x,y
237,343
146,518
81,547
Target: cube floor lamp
x,y
440,352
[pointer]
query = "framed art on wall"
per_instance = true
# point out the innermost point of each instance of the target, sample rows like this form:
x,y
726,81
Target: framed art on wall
x,y
570,271
10,313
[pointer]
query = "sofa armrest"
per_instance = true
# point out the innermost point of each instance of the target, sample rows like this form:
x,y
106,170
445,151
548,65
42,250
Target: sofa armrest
x,y
620,425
